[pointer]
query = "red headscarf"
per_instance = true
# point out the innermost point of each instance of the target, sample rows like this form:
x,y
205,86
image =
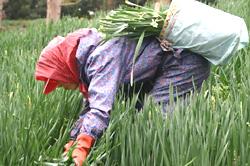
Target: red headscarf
x,y
57,62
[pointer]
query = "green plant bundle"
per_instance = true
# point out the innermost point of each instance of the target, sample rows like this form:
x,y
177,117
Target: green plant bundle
x,y
131,20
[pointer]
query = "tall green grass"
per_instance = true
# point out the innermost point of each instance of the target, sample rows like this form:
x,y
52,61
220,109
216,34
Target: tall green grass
x,y
31,124
213,129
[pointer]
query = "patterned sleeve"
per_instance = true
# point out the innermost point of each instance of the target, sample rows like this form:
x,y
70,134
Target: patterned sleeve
x,y
93,123
105,71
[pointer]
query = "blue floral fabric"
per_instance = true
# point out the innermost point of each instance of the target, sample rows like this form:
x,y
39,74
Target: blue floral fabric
x,y
106,67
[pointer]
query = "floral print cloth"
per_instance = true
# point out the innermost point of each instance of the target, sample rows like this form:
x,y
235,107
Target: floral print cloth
x,y
107,67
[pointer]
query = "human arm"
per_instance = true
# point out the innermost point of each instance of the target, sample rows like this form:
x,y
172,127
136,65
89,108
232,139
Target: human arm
x,y
104,71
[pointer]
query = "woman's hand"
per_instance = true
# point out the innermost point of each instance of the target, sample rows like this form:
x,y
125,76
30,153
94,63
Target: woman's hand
x,y
82,145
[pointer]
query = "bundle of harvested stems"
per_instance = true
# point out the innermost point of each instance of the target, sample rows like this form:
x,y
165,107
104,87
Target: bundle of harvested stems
x,y
133,21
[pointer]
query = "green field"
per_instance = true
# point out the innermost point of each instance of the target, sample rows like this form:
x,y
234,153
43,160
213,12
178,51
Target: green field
x,y
214,129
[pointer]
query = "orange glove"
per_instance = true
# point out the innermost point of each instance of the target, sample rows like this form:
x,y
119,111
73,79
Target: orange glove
x,y
67,147
83,145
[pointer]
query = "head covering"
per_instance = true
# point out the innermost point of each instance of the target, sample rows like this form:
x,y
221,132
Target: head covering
x,y
57,62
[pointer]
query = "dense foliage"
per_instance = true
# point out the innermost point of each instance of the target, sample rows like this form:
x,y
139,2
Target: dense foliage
x,y
16,9
24,9
213,129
